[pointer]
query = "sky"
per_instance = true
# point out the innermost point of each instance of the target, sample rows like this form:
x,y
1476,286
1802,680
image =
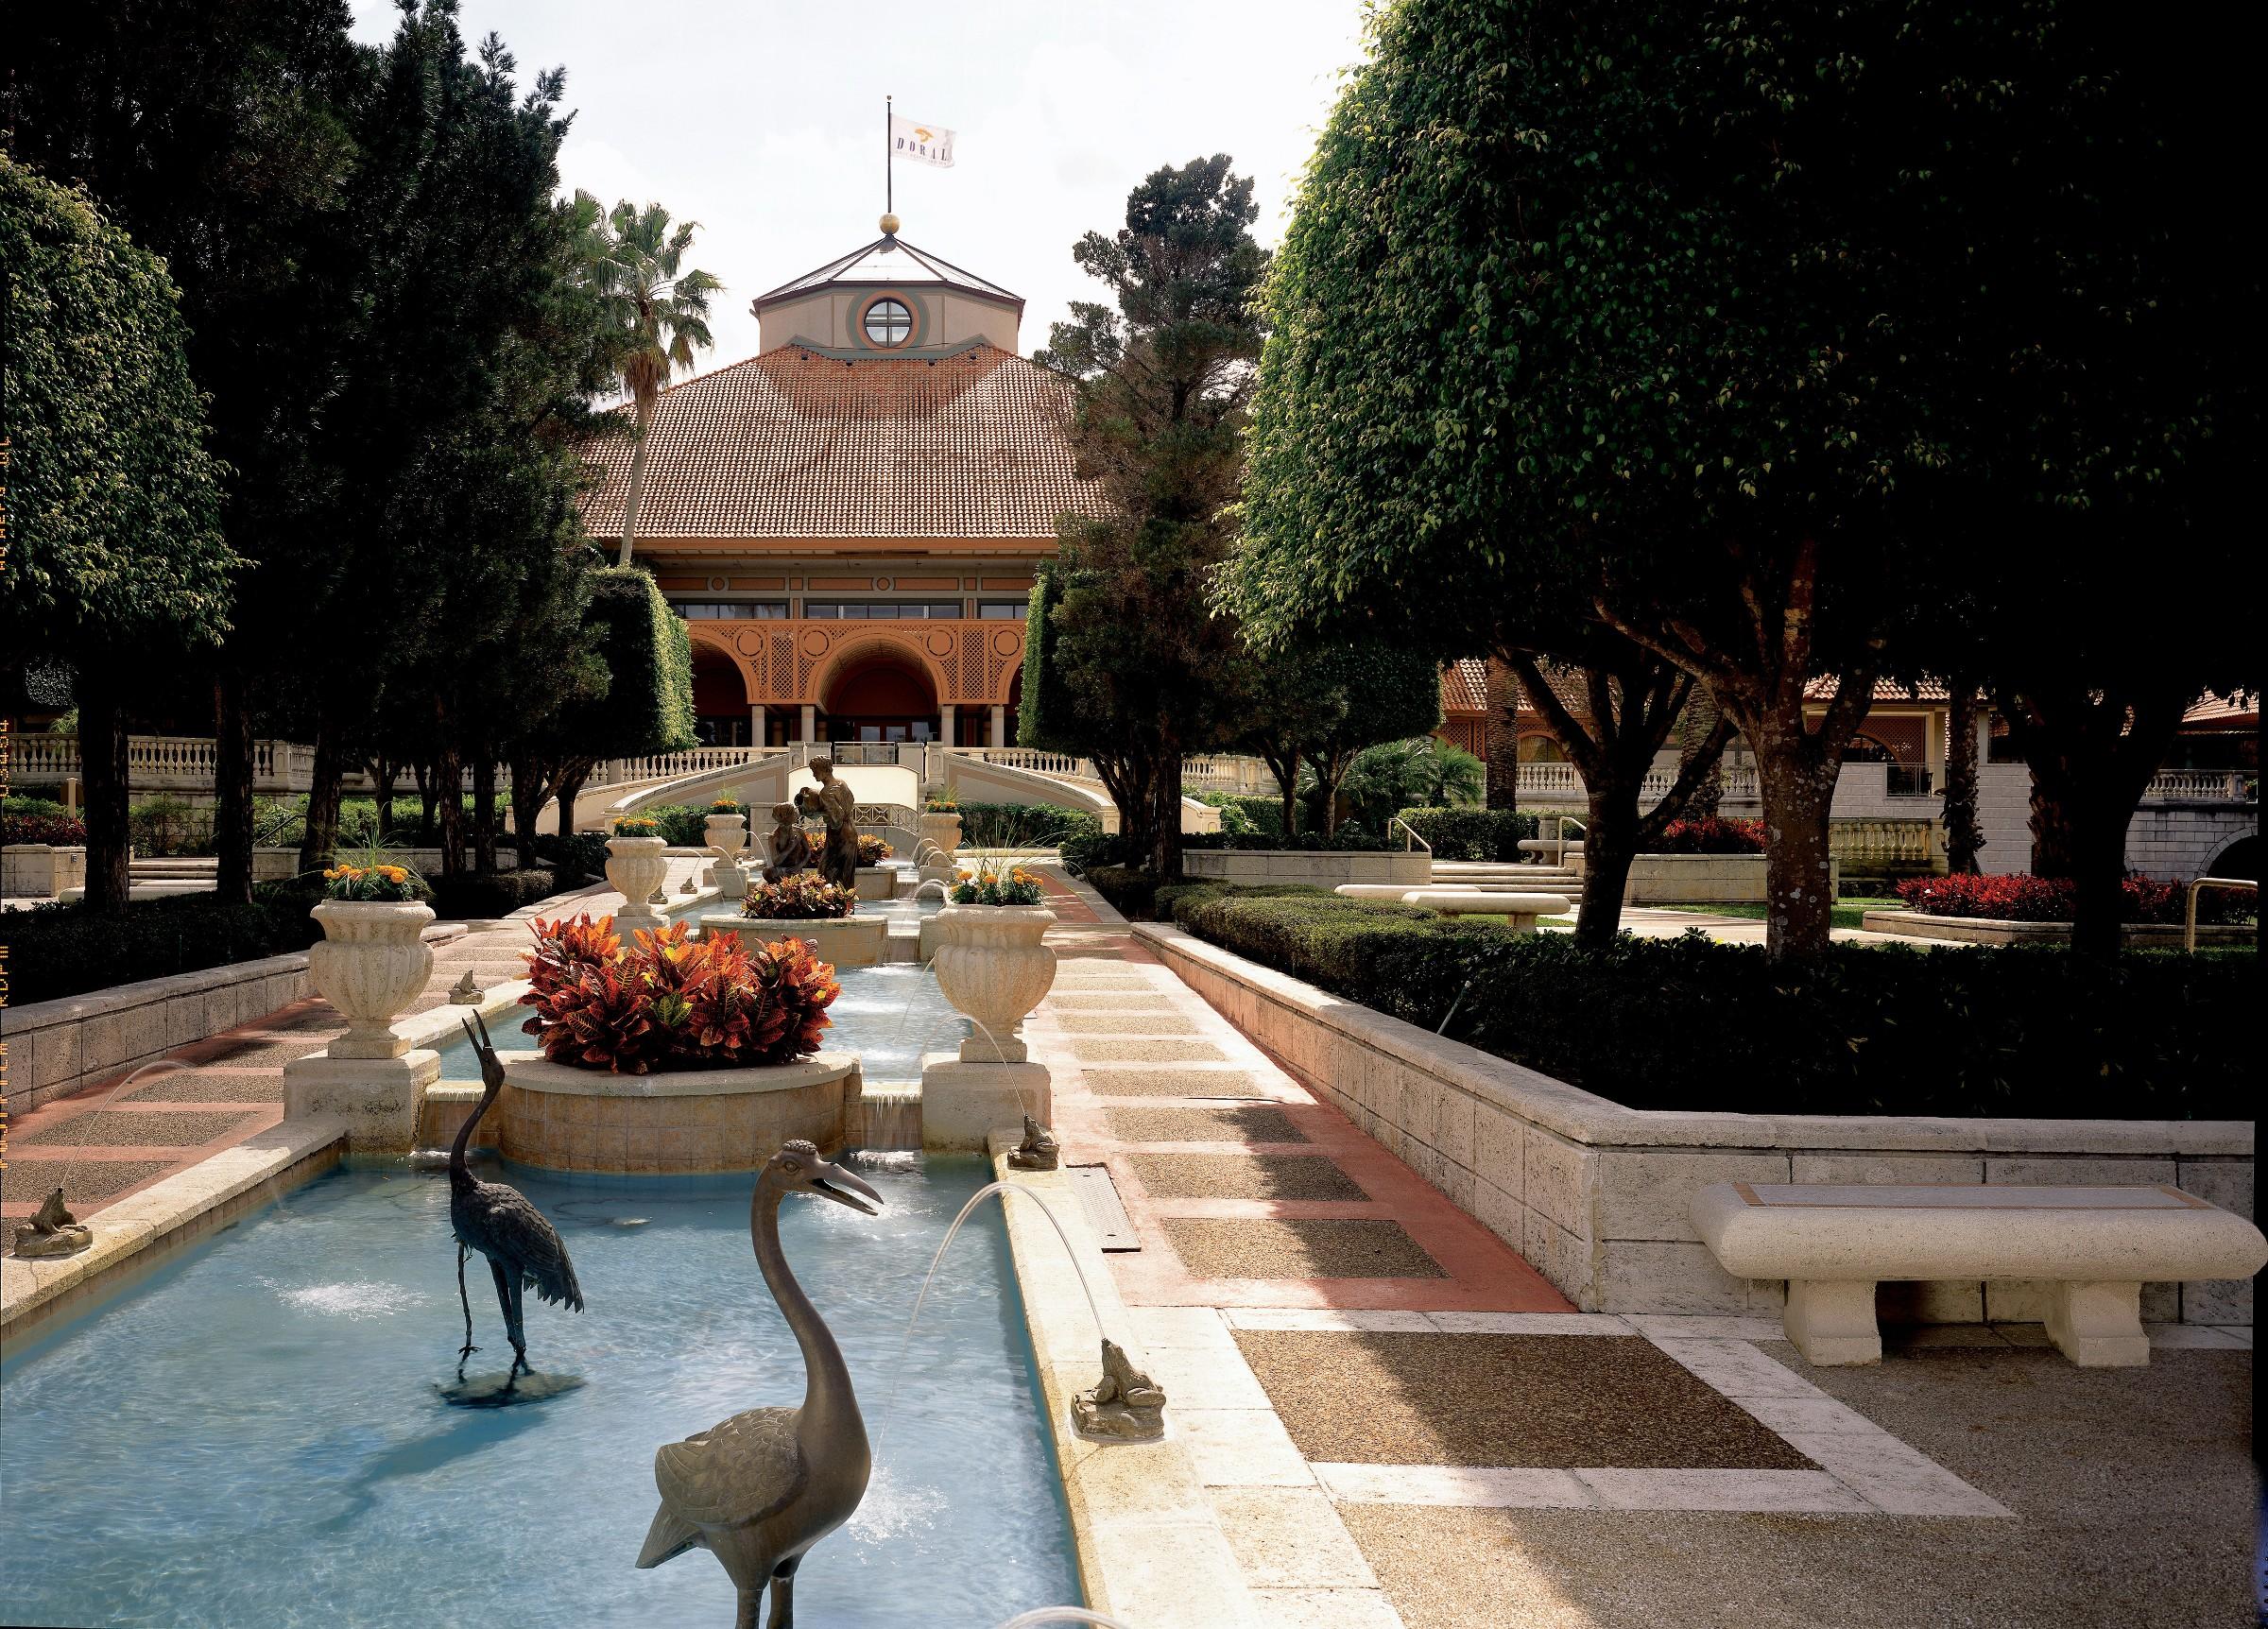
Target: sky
x,y
763,121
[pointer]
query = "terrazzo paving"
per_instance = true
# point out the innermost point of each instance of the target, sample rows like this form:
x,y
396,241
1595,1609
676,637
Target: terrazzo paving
x,y
117,1127
1309,1176
1168,1082
1308,1248
211,1085
1103,1050
1259,1125
26,1182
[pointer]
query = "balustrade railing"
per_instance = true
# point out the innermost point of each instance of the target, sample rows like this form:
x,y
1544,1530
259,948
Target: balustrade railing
x,y
1860,845
1561,782
2203,785
669,765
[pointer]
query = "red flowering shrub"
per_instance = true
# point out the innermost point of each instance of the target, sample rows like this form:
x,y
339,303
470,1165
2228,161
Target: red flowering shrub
x,y
1710,836
672,1001
2033,899
58,830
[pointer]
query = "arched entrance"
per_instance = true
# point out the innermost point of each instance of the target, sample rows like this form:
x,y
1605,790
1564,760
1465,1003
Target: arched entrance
x,y
880,694
720,698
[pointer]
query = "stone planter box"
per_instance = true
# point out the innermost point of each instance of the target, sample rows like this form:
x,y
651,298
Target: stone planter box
x,y
678,1121
2002,931
1321,868
1702,879
846,941
1595,1195
282,864
40,870
944,831
59,1047
877,881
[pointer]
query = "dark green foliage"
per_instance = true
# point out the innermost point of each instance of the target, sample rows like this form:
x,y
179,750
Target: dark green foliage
x,y
1019,824
575,857
647,706
1088,846
679,825
1685,1024
1262,814
1346,839
476,896
1131,890
1472,833
57,951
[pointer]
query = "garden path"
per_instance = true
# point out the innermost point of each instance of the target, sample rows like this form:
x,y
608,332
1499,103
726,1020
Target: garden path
x,y
1400,1421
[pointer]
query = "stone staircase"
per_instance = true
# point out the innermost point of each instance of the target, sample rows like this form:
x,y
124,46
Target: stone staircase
x,y
1505,875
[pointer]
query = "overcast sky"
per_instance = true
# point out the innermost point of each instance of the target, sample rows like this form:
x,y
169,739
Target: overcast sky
x,y
764,120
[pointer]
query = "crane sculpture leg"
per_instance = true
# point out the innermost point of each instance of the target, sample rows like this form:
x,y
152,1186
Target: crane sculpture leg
x,y
465,1301
507,1300
784,1593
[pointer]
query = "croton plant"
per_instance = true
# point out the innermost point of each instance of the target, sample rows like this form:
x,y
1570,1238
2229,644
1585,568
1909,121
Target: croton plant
x,y
667,1000
799,897
873,850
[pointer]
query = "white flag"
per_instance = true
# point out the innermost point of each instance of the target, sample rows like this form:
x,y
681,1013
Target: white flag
x,y
930,144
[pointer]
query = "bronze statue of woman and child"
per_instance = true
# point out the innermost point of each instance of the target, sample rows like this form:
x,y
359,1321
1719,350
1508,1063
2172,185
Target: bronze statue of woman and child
x,y
789,847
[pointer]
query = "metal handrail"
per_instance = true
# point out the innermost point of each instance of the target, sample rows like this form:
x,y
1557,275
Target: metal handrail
x,y
1558,839
2188,930
1409,834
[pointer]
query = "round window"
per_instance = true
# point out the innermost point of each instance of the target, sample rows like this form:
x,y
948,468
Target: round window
x,y
888,322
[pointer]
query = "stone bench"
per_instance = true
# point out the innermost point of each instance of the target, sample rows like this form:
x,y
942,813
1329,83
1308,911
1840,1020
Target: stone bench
x,y
1549,845
2095,1247
1519,909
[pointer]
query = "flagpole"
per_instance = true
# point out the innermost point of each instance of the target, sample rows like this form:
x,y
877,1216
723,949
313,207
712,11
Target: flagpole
x,y
888,156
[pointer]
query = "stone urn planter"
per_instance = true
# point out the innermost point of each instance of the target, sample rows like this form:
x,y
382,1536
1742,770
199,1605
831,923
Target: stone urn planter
x,y
728,834
993,965
371,963
635,868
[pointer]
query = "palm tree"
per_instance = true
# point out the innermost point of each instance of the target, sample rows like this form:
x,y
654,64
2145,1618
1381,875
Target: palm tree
x,y
653,315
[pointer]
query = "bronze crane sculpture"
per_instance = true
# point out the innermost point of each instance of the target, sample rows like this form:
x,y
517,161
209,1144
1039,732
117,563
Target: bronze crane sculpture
x,y
760,1489
497,1220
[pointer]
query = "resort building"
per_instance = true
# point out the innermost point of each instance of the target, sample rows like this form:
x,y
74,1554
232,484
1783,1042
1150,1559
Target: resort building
x,y
849,521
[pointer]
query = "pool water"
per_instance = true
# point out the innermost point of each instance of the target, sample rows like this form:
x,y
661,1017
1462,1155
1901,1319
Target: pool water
x,y
255,1436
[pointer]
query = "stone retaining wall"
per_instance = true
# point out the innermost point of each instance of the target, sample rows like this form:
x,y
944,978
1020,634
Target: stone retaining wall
x,y
55,1048
1594,1194
40,870
1703,879
1322,868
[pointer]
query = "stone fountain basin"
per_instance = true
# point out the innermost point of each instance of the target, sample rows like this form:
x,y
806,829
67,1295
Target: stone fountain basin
x,y
845,941
877,881
672,1123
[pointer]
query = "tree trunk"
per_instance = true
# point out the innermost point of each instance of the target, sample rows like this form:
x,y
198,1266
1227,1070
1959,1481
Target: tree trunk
x,y
1165,819
570,788
447,774
629,502
1501,738
529,783
1694,727
2091,754
318,846
231,789
102,766
484,809
1799,887
1962,834
1610,841
422,772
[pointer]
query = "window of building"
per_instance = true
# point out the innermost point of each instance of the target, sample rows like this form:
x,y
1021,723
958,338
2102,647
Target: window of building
x,y
888,322
730,610
883,610
1002,611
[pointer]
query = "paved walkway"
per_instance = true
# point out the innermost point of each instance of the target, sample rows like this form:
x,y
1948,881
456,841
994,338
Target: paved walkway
x,y
1401,1422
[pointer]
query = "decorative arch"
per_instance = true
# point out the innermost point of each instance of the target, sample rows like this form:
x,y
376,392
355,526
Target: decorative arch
x,y
877,642
705,639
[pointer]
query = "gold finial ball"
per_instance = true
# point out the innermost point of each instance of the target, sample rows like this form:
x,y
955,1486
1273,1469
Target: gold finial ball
x,y
890,226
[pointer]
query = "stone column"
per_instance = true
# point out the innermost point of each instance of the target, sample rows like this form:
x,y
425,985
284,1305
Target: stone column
x,y
810,726
756,725
1000,724
945,724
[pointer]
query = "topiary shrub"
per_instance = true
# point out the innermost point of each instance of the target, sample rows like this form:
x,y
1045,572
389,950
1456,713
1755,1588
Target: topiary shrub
x,y
1491,834
667,1000
1711,836
58,830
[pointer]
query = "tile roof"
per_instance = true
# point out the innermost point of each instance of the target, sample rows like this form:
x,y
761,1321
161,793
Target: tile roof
x,y
888,260
1464,686
2237,709
790,444
1885,690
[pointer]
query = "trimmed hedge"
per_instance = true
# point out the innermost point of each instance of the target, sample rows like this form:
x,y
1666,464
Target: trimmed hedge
x,y
1262,813
1712,835
1688,1024
1132,891
1346,840
2026,898
58,830
1472,833
57,950
1019,824
478,896
573,856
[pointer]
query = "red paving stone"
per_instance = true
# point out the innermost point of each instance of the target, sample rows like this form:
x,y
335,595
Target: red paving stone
x,y
1483,1272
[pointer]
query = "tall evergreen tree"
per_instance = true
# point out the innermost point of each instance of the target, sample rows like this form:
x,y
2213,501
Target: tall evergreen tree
x,y
1164,376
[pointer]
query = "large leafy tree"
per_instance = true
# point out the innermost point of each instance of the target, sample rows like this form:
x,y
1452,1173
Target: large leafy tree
x,y
1315,707
1164,374
654,313
115,553
214,132
1745,335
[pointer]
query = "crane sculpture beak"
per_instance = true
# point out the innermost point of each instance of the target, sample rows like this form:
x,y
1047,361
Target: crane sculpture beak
x,y
844,1187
